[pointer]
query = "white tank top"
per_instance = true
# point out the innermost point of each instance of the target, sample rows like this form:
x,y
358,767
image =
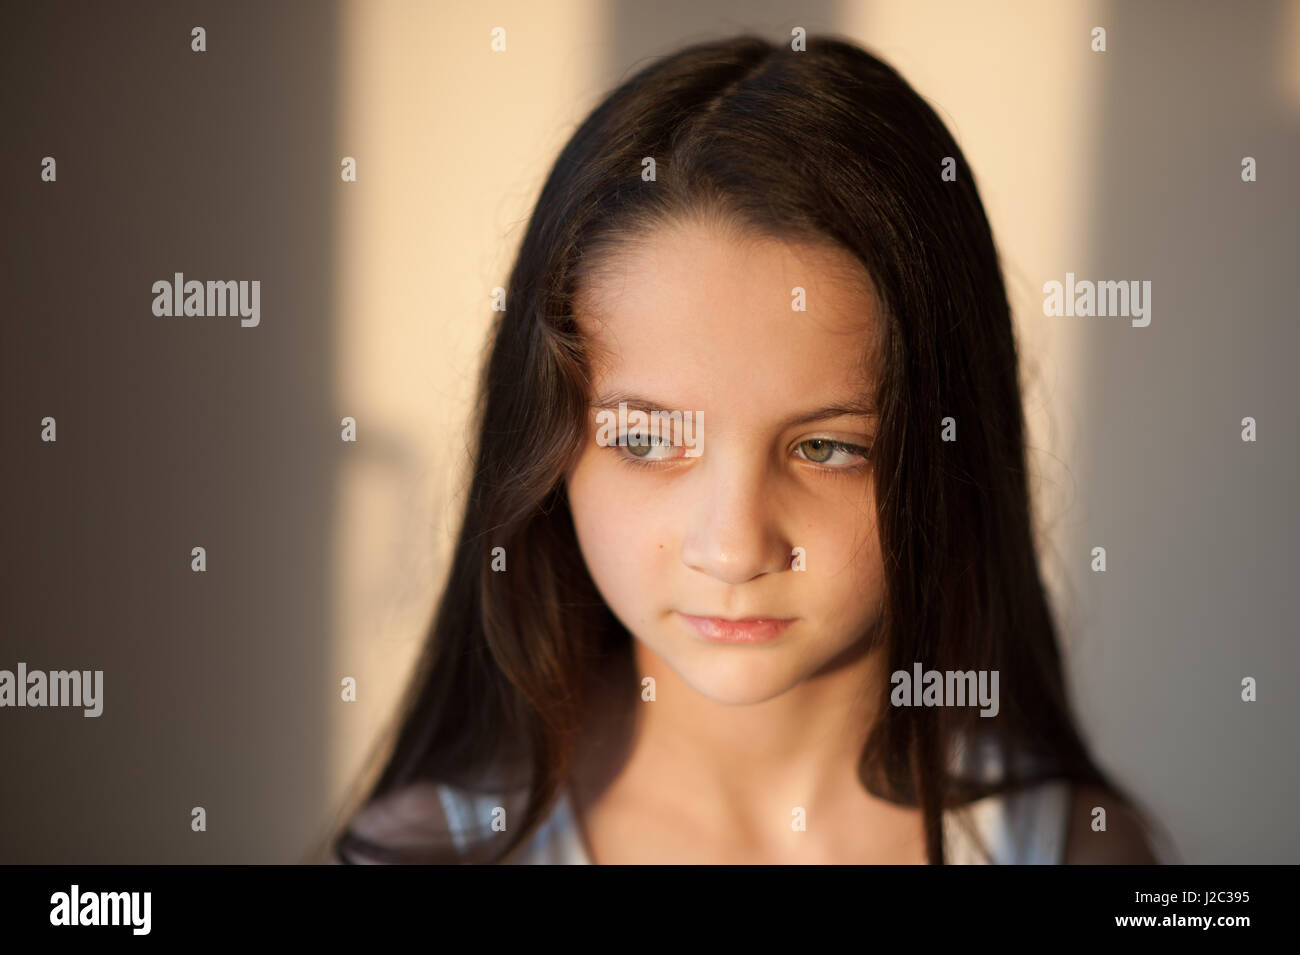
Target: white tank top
x,y
1024,828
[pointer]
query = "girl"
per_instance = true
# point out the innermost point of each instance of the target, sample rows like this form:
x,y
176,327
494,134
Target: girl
x,y
815,632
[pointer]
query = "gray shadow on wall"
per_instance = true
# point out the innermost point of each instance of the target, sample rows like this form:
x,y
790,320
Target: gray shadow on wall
x,y
1199,526
172,432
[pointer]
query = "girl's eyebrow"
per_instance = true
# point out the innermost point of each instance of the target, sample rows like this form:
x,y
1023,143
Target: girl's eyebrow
x,y
857,408
854,409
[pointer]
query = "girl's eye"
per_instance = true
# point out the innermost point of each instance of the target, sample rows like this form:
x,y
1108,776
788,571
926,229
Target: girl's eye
x,y
638,449
822,450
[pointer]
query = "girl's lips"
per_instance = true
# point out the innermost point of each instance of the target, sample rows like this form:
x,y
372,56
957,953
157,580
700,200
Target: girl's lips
x,y
752,630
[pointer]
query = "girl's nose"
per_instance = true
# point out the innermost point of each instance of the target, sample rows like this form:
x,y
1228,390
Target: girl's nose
x,y
735,530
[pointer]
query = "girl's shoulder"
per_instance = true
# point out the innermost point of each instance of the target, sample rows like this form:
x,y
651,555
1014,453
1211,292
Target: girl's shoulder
x,y
436,822
1118,835
1053,822
1028,826
422,817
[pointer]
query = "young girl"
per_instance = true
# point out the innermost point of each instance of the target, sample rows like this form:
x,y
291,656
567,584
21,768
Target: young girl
x,y
800,619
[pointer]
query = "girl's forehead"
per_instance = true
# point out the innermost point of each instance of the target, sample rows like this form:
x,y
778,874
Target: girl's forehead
x,y
689,305
687,264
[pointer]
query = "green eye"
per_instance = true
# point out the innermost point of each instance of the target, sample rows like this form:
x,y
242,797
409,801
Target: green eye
x,y
640,445
821,450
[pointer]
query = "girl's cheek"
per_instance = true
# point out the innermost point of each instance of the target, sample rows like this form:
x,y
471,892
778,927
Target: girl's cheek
x,y
846,549
608,516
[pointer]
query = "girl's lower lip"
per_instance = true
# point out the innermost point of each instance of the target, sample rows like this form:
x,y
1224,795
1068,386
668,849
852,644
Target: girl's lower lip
x,y
737,631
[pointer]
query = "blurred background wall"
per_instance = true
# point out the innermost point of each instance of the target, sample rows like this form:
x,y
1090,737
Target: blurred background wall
x,y
222,689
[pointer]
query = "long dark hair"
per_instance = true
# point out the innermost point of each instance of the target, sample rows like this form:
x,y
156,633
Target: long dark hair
x,y
827,143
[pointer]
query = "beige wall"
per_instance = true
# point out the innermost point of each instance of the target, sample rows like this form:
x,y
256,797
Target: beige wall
x,y
452,142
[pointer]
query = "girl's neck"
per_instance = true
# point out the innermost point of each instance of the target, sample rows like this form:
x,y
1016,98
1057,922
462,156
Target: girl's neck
x,y
796,749
688,778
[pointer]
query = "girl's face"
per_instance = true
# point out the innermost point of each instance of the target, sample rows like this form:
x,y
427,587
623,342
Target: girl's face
x,y
775,516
